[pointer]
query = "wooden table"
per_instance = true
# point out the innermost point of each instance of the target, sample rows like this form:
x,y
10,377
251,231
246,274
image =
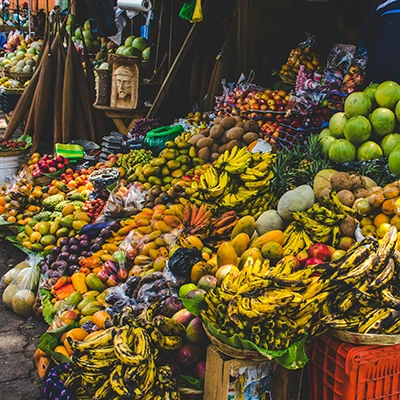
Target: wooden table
x,y
123,118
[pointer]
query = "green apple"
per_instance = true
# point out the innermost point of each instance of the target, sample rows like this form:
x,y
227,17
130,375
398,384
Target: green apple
x,y
185,289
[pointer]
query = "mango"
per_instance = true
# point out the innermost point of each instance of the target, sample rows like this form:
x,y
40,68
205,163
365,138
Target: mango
x,y
92,293
82,216
245,224
183,159
68,209
43,227
62,232
149,171
271,236
78,225
241,243
251,252
93,282
67,222
154,180
158,161
226,254
161,226
173,165
74,299
57,307
47,240
169,154
87,300
28,230
71,233
49,247
91,308
21,237
165,171
178,173
55,226
35,237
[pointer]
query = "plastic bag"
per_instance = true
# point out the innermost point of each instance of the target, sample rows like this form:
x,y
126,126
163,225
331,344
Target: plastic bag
x,y
20,294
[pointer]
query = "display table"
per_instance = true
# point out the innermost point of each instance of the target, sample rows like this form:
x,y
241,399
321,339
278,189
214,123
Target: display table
x,y
123,118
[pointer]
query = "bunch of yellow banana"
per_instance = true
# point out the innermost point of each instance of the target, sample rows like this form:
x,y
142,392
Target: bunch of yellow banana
x,y
259,204
183,138
296,239
240,197
121,361
234,161
363,288
273,306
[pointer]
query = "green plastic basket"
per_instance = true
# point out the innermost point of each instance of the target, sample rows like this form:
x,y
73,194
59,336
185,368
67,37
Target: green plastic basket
x,y
157,138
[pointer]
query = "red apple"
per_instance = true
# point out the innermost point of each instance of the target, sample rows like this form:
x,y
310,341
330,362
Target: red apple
x,y
302,257
59,159
52,169
60,166
319,250
52,163
313,261
66,161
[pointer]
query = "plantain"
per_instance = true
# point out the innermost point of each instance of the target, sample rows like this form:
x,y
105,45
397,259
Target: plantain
x,y
384,276
386,248
373,320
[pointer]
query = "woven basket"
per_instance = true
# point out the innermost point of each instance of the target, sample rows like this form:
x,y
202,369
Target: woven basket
x,y
234,352
373,339
12,153
42,180
188,391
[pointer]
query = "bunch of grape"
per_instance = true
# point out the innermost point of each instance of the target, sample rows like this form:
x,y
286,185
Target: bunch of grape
x,y
134,157
142,126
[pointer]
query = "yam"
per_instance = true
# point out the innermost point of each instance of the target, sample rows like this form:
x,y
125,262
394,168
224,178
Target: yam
x,y
235,133
205,142
360,193
224,139
214,148
222,148
228,122
193,140
250,137
216,131
230,145
238,125
217,120
346,197
205,132
358,182
204,153
251,126
238,118
341,181
348,226
214,156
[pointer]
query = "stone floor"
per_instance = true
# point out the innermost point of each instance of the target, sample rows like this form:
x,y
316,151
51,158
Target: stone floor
x,y
18,341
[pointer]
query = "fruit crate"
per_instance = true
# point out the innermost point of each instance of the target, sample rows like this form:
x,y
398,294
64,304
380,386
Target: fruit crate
x,y
341,370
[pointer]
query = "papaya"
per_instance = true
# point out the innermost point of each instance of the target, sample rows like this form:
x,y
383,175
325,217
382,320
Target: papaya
x,y
47,240
149,171
62,232
55,226
226,254
154,180
35,237
110,247
169,154
84,319
183,159
91,308
82,216
251,252
68,209
147,247
161,226
43,228
245,224
93,293
28,229
87,300
271,236
93,282
78,224
67,222
241,243
158,161
74,299
99,318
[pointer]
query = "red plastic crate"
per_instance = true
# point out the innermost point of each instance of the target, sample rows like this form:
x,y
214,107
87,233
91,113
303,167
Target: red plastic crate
x,y
340,370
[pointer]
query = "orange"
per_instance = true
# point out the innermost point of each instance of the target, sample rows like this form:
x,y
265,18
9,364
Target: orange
x,y
2,209
382,229
381,219
396,221
368,230
11,219
366,221
388,207
2,201
272,250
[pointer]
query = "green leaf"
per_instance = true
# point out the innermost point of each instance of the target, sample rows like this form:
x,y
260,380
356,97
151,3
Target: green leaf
x,y
194,382
293,357
14,241
47,305
194,306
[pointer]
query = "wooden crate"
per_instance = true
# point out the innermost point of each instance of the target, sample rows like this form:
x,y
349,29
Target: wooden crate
x,y
220,368
286,384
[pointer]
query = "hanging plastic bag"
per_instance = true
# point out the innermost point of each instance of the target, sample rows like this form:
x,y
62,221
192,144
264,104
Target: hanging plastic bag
x,y
20,294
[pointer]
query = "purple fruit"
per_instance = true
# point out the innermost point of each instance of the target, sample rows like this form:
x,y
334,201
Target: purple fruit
x,y
74,249
73,259
99,241
95,247
171,306
65,248
105,233
195,332
188,355
89,254
84,253
73,241
63,242
199,370
84,244
63,256
174,367
114,226
85,237
56,250
197,294
44,268
60,265
71,269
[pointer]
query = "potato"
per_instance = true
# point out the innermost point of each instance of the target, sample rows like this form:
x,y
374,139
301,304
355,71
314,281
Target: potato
x,y
250,137
228,122
230,145
341,181
204,153
222,148
214,156
360,193
235,133
214,148
358,182
348,226
205,132
224,139
217,120
205,142
193,140
239,125
346,197
238,118
216,131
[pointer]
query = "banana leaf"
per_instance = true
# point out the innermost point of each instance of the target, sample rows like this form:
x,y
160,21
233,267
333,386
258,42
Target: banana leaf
x,y
294,357
47,305
14,241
